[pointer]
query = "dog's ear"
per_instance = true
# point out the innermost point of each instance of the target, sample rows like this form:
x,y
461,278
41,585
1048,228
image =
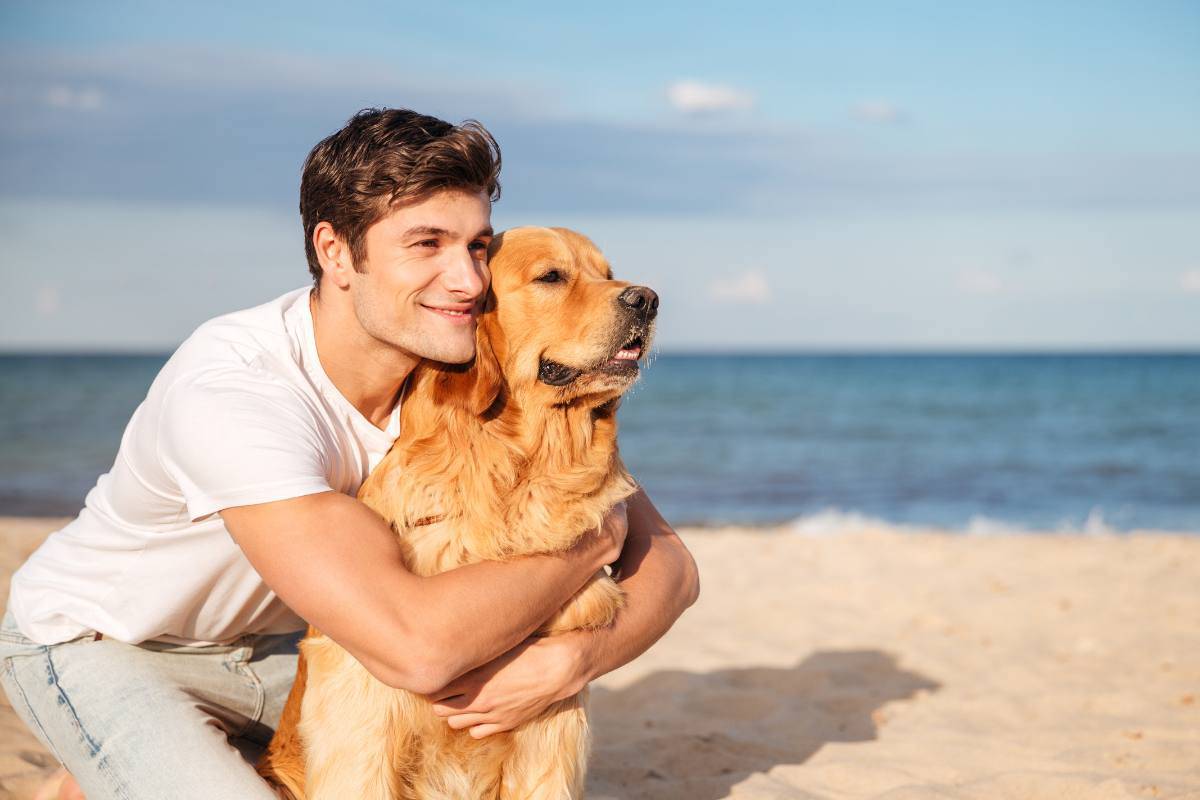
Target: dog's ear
x,y
475,386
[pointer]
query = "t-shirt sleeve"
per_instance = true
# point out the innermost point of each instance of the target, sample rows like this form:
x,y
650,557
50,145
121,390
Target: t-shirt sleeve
x,y
239,439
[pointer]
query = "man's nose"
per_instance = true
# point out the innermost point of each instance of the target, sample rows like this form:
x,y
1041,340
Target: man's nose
x,y
466,275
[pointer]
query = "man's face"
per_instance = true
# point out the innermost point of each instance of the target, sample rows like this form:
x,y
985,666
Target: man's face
x,y
423,280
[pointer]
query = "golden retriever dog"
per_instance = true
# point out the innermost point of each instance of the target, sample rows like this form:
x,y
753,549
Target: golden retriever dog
x,y
514,454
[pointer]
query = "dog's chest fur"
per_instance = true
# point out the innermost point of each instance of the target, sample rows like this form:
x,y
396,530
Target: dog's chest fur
x,y
458,488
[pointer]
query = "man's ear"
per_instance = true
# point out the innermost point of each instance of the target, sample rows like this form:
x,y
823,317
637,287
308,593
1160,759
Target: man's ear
x,y
473,387
333,254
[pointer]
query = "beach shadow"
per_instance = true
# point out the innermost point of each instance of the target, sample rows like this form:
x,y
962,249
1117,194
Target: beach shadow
x,y
676,735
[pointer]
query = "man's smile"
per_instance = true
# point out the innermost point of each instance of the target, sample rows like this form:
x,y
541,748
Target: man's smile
x,y
458,313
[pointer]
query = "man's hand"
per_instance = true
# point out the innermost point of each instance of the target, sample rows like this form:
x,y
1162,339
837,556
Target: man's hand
x,y
522,683
516,687
660,581
613,530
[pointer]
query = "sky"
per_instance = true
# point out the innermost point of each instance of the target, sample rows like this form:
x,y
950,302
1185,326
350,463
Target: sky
x,y
788,176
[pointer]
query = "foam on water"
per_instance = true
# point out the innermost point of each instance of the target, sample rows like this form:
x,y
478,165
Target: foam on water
x,y
835,521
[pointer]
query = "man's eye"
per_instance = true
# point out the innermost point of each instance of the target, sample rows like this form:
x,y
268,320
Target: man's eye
x,y
553,276
427,243
479,247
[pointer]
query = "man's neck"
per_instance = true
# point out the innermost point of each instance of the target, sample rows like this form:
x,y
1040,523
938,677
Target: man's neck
x,y
367,372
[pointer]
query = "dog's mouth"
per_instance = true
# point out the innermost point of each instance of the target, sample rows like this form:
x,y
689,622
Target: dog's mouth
x,y
553,373
623,362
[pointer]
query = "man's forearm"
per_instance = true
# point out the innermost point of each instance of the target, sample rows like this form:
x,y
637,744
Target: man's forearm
x,y
479,611
660,581
413,632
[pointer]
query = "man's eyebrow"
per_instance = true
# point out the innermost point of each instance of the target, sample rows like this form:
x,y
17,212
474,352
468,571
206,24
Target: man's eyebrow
x,y
426,230
430,230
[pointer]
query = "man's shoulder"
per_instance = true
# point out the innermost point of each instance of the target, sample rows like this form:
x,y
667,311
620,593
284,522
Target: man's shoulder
x,y
262,337
266,325
253,352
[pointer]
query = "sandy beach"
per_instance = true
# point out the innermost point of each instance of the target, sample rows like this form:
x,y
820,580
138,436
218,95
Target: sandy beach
x,y
886,664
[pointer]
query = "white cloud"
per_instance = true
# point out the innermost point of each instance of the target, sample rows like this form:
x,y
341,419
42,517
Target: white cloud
x,y
73,99
750,287
979,281
693,97
878,111
47,301
91,78
1190,281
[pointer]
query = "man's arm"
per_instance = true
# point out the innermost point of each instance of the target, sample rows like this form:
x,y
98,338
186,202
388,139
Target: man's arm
x,y
660,581
337,564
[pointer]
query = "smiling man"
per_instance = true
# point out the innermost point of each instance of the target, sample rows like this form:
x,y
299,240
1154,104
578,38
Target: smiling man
x,y
151,642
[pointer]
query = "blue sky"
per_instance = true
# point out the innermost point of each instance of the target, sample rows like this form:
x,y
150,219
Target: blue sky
x,y
812,175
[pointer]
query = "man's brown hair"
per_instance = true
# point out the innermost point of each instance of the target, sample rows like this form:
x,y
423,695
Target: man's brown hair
x,y
383,157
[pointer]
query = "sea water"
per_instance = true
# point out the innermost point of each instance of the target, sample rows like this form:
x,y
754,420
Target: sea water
x,y
967,442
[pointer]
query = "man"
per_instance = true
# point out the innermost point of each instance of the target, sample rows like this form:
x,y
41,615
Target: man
x,y
152,638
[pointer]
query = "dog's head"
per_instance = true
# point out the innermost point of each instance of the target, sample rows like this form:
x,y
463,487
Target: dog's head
x,y
557,328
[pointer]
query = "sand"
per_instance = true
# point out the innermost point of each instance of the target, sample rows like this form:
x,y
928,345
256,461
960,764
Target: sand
x,y
887,664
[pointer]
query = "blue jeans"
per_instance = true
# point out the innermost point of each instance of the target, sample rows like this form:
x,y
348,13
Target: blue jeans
x,y
152,720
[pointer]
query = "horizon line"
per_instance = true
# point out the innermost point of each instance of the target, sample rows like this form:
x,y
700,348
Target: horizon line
x,y
750,351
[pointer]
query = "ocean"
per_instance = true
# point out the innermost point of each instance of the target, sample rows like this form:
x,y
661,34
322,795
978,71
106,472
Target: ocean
x,y
973,443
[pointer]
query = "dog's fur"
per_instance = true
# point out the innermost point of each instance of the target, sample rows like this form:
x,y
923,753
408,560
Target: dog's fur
x,y
514,455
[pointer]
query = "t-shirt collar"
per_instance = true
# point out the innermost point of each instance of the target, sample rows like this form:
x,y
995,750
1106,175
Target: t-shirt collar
x,y
312,365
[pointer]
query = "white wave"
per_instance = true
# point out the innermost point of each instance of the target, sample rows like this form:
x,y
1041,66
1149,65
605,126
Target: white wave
x,y
833,521
980,525
1093,525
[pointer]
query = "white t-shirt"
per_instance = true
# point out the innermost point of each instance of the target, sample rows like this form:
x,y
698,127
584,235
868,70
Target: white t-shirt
x,y
242,413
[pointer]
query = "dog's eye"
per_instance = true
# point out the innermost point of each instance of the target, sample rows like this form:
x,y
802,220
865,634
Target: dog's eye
x,y
551,276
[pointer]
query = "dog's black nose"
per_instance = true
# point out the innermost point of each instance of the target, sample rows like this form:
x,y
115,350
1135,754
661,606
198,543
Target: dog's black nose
x,y
642,299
